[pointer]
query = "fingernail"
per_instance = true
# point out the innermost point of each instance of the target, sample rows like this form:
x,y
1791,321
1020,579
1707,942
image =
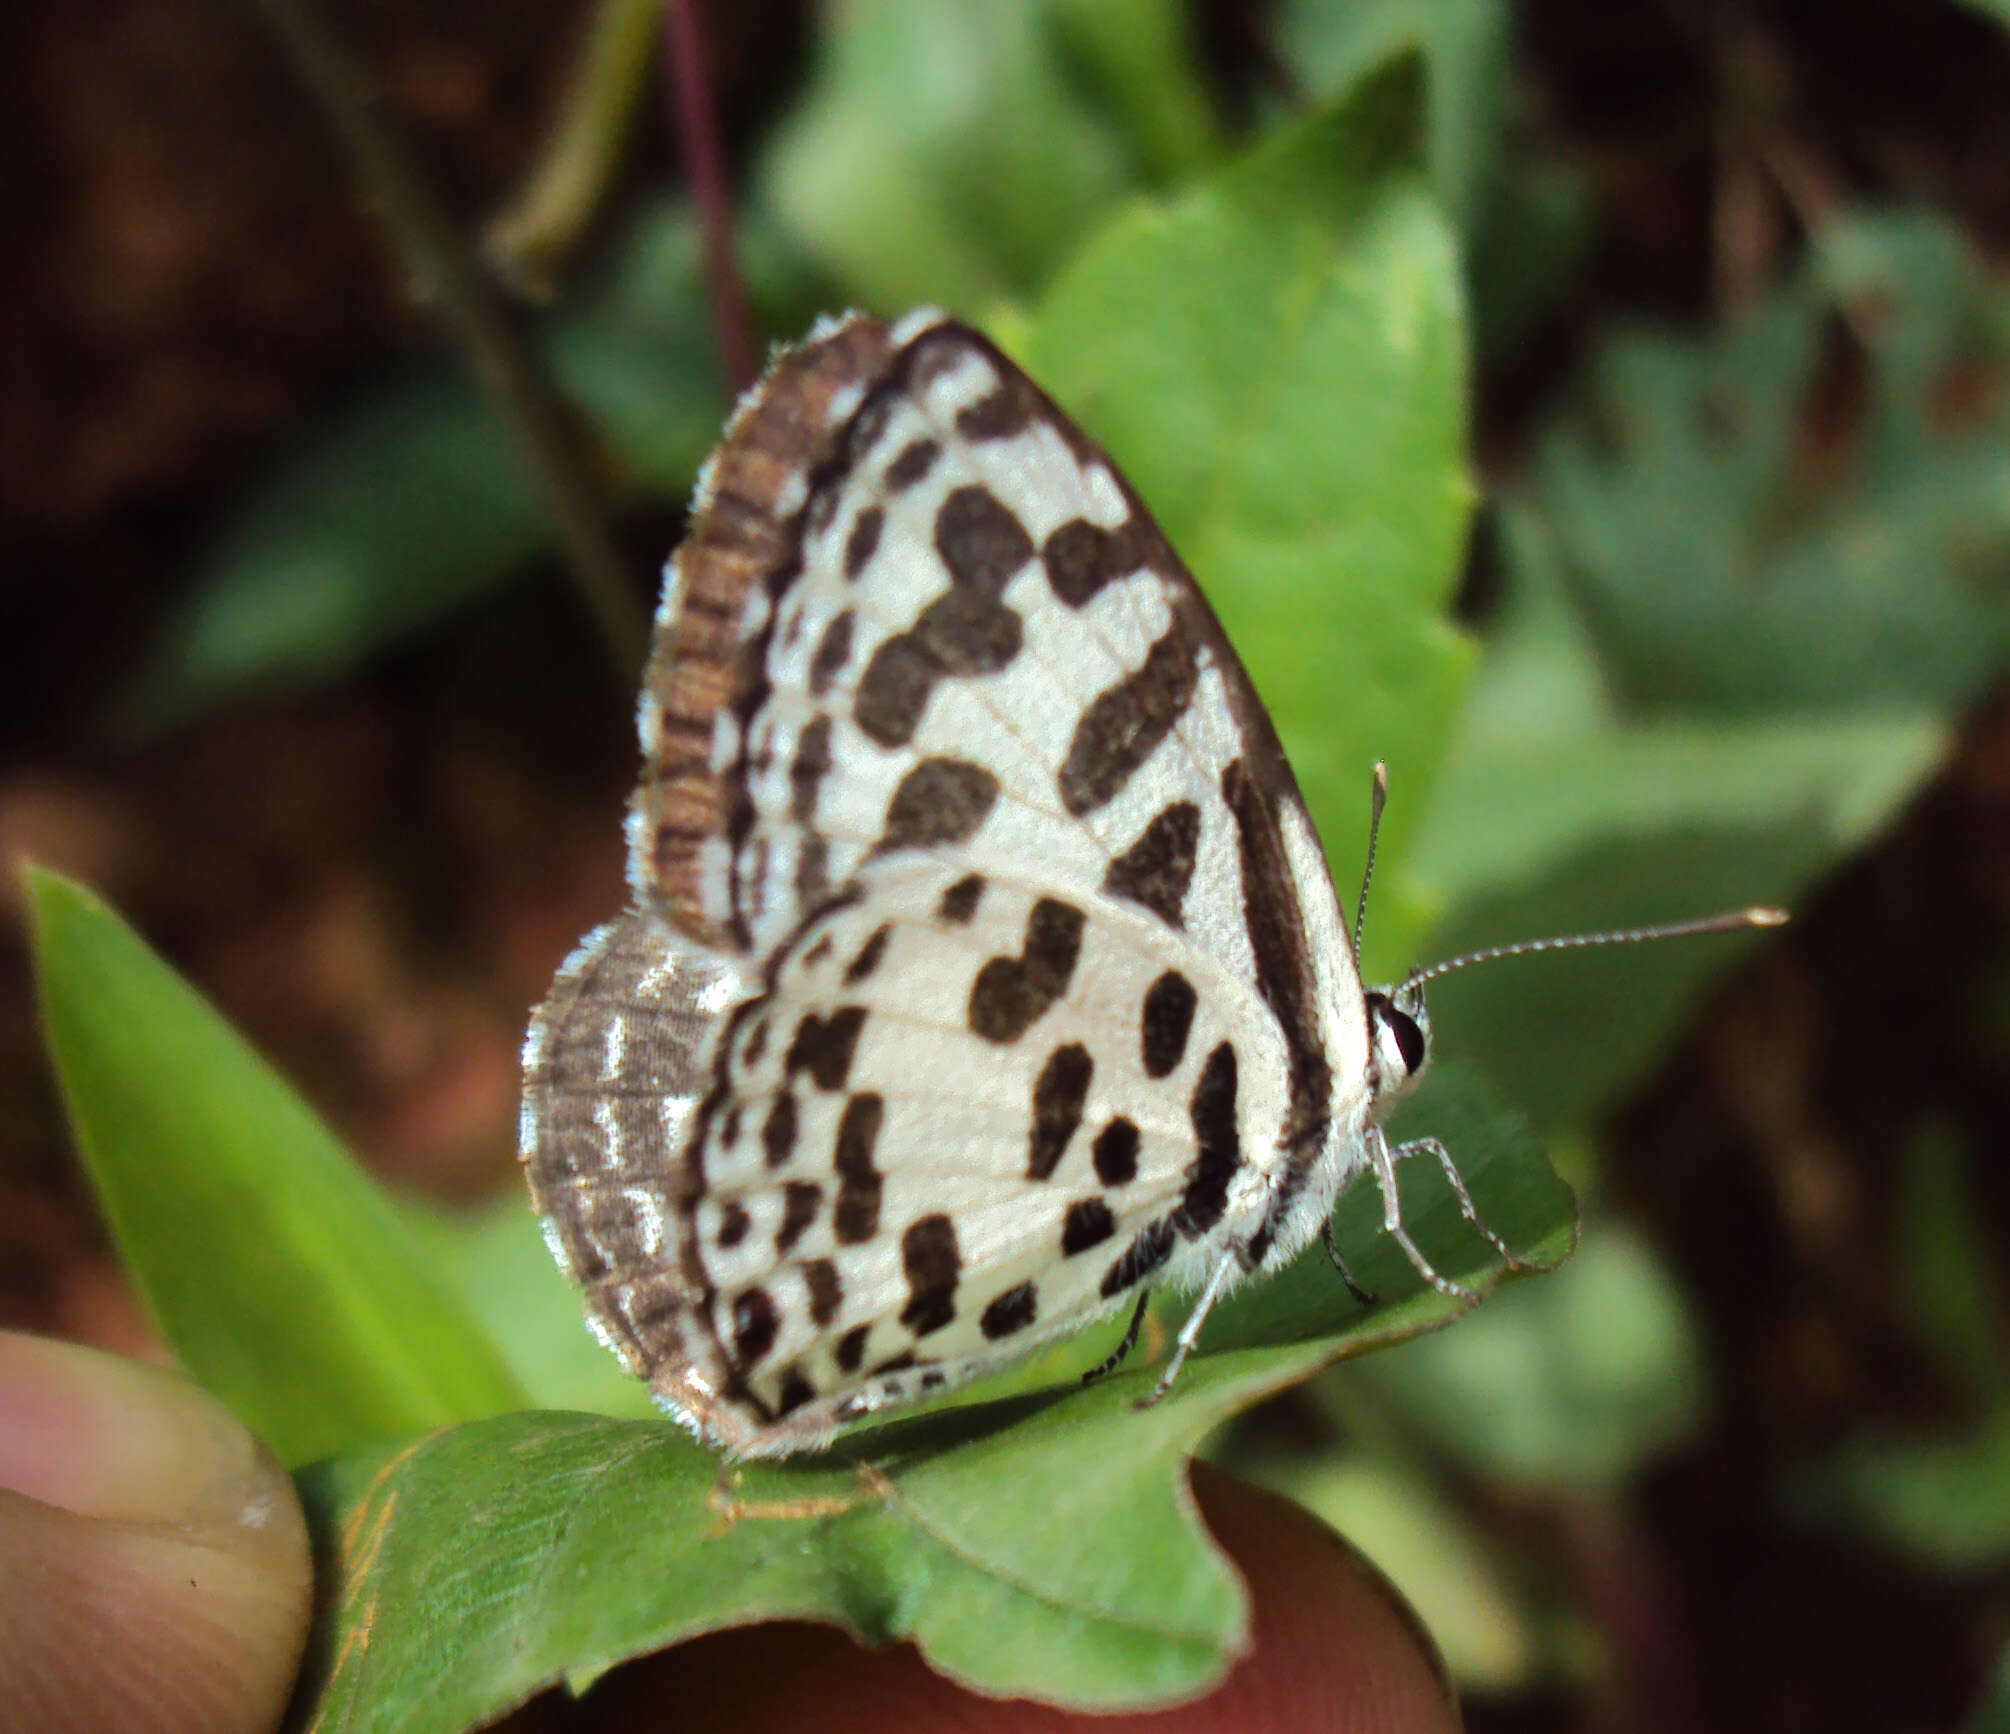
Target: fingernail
x,y
107,1437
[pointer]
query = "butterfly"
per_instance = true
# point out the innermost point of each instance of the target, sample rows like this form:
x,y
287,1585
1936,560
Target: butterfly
x,y
984,972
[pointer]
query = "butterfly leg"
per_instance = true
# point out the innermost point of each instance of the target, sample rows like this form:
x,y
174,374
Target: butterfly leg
x,y
1116,1355
1421,1146
1189,1333
1367,1297
1384,1160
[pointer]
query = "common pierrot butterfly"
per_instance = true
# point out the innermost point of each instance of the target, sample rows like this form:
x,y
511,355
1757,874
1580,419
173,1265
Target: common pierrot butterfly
x,y
984,971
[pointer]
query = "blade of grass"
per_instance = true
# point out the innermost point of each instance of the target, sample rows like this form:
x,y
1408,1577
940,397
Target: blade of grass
x,y
285,1282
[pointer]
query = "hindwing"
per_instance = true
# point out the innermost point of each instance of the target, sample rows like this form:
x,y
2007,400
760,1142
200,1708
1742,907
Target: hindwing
x,y
967,1113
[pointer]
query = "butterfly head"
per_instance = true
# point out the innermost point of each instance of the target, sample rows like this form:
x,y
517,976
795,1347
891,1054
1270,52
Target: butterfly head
x,y
1399,1042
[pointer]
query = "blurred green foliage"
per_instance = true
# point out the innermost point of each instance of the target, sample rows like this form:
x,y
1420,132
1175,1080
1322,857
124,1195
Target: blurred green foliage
x,y
1805,512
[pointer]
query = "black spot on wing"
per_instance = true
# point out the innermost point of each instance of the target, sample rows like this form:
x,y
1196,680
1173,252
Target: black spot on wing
x,y
1116,1153
1012,1311
778,1131
916,459
1010,993
1088,1223
868,424
754,1324
808,768
1123,726
863,541
1284,972
856,1218
1156,870
823,1046
850,1351
980,541
1058,1095
812,875
929,1255
1005,410
801,1200
939,801
869,955
1151,1247
1082,557
1166,1019
833,651
826,1290
959,902
958,635
1212,1111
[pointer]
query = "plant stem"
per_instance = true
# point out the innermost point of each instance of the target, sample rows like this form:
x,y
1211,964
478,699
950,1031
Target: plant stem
x,y
705,163
446,276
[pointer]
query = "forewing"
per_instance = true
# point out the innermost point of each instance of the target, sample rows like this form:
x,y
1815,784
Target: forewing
x,y
919,610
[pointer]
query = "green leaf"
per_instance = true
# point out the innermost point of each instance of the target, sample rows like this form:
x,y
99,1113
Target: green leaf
x,y
1996,10
1036,1544
397,510
1559,813
1946,1501
1292,412
1741,544
498,1258
282,1279
1134,61
1575,1383
1463,46
949,154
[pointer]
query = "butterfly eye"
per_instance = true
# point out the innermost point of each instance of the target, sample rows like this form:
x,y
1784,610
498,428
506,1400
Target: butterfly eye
x,y
1409,1040
1407,1033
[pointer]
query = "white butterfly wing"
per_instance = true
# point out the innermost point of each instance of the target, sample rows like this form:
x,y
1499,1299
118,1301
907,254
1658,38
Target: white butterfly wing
x,y
925,1151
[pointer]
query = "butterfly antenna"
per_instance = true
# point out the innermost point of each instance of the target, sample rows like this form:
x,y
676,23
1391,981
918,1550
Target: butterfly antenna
x,y
1377,798
1731,921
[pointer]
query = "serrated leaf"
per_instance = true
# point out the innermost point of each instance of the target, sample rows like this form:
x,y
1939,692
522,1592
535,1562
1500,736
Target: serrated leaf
x,y
1037,1544
284,1282
1463,45
1293,413
1741,546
